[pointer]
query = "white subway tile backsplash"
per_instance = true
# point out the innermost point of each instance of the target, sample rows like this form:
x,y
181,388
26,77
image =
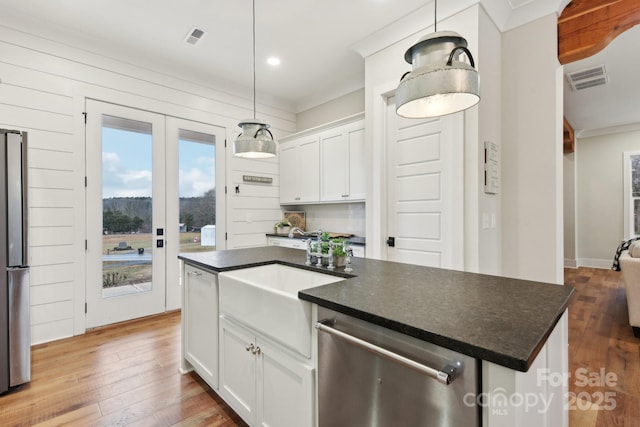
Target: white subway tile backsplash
x,y
338,217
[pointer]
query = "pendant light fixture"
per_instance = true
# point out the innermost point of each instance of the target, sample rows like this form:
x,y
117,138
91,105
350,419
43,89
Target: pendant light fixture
x,y
256,140
439,82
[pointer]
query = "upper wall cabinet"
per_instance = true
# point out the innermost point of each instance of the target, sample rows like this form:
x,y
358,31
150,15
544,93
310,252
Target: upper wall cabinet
x,y
331,167
300,170
342,163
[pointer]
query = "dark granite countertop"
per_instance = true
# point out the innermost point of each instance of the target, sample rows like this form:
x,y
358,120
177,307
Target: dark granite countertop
x,y
354,240
501,320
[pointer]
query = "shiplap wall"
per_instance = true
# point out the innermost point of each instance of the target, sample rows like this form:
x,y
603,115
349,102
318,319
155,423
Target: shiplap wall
x,y
43,88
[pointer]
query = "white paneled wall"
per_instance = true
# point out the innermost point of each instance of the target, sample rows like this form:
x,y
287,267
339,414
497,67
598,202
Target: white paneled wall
x,y
42,91
256,207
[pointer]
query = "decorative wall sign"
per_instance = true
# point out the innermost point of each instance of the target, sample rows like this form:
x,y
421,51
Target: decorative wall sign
x,y
258,179
491,167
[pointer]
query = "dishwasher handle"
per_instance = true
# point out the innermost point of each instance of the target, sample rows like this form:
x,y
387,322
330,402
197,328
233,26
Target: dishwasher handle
x,y
444,376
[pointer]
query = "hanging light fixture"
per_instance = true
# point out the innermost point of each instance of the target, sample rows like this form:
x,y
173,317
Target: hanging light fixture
x,y
256,140
439,82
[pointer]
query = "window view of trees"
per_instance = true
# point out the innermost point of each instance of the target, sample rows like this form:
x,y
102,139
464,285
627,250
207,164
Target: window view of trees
x,y
196,212
635,193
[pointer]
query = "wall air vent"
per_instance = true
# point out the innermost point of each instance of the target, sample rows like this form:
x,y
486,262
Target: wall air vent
x,y
194,36
584,79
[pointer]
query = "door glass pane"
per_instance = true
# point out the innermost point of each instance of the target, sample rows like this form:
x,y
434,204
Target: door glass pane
x,y
127,221
197,191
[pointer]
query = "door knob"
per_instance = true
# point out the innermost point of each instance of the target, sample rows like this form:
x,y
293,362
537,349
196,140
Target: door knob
x,y
391,242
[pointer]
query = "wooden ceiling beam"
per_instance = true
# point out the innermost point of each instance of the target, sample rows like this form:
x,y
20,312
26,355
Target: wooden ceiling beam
x,y
585,27
569,139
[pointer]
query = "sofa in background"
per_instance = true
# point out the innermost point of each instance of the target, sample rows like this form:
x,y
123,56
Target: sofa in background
x,y
630,266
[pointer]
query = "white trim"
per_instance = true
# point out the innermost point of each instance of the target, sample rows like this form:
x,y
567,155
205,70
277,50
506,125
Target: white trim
x,y
376,199
594,263
588,133
342,121
570,263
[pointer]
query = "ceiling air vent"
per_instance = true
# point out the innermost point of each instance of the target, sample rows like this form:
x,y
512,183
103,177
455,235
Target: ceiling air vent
x,y
584,79
194,36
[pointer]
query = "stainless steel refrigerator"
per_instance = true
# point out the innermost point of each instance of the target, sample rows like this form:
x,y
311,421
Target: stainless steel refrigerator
x,y
15,336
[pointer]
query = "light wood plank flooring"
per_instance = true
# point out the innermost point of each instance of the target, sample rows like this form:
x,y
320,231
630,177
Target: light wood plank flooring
x,y
127,374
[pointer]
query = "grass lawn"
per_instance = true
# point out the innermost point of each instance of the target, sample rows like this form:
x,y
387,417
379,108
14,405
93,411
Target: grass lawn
x,y
141,273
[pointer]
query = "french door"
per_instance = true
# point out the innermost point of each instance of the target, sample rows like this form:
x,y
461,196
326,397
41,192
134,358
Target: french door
x,y
137,180
195,185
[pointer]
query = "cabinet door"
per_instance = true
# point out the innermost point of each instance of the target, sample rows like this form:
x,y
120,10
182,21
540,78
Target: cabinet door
x,y
334,165
358,251
285,389
357,182
287,242
238,369
288,173
343,163
201,323
308,163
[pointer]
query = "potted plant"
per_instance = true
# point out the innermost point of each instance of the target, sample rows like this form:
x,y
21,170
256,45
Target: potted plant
x,y
339,255
282,227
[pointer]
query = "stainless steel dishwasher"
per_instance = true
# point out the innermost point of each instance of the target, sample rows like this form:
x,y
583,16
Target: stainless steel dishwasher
x,y
372,376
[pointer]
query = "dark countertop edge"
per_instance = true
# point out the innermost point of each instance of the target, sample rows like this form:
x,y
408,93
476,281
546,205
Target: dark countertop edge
x,y
217,270
354,240
515,363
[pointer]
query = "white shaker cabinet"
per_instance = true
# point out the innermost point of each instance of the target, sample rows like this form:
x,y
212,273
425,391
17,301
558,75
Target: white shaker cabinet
x,y
342,163
324,164
200,322
287,242
299,170
261,382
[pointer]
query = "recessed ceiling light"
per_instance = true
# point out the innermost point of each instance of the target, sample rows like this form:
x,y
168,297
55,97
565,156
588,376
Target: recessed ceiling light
x,y
273,61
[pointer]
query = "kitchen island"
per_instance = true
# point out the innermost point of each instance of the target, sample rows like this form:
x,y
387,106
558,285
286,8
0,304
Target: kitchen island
x,y
503,322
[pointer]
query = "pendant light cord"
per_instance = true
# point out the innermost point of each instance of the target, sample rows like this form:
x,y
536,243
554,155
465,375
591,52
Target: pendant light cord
x,y
435,16
254,58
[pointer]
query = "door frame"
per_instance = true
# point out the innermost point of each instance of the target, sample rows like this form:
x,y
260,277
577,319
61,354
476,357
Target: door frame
x,y
81,97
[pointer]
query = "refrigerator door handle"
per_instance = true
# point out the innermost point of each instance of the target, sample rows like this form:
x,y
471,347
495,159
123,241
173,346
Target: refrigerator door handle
x,y
16,200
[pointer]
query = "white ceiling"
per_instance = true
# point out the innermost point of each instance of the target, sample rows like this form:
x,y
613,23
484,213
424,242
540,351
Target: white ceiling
x,y
615,104
315,40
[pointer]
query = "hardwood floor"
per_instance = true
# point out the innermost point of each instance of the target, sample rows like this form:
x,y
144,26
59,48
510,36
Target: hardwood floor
x,y
121,375
127,374
604,356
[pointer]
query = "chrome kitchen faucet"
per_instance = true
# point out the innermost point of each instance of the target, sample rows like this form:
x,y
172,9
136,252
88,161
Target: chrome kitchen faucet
x,y
318,254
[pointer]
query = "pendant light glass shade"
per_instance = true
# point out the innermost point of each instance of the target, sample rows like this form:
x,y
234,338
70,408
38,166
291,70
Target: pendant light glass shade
x,y
439,83
255,141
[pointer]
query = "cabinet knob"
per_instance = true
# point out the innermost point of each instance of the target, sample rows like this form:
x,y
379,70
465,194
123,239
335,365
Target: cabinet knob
x,y
251,348
297,198
195,273
256,351
345,195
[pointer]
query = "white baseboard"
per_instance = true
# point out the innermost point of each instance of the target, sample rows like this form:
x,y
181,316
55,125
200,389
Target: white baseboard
x,y
595,262
570,263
